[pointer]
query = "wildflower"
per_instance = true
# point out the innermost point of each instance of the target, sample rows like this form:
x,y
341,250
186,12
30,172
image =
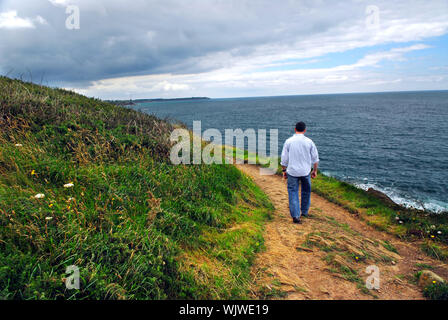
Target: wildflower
x,y
433,227
432,236
50,205
49,218
39,196
356,258
69,185
19,145
33,172
70,199
439,232
400,221
397,218
434,281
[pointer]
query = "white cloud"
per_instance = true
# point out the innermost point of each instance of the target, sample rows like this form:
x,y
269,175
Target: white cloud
x,y
10,20
281,81
167,86
40,20
61,3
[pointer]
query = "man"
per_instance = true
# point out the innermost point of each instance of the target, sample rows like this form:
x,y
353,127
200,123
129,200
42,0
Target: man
x,y
298,156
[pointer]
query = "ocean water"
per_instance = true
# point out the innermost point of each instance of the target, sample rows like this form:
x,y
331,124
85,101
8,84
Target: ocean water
x,y
396,142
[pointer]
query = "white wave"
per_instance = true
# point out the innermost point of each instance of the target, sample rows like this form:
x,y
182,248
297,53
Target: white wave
x,y
429,204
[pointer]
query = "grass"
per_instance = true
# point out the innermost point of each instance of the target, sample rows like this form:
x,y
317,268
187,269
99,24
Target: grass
x,y
436,291
433,291
137,226
274,290
386,244
435,250
424,266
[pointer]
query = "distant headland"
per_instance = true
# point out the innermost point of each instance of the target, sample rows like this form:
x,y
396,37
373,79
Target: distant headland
x,y
137,101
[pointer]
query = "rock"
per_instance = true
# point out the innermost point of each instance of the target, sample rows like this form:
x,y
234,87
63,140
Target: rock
x,y
428,277
383,197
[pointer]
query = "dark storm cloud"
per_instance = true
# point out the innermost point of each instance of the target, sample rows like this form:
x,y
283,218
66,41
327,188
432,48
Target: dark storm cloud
x,y
122,38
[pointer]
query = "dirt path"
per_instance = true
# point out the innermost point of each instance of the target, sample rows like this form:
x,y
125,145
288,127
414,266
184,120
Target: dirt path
x,y
326,256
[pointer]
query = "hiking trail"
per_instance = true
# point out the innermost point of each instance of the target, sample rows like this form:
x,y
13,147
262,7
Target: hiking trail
x,y
326,256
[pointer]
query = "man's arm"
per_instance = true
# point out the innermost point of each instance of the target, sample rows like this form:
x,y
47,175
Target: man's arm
x,y
285,159
315,160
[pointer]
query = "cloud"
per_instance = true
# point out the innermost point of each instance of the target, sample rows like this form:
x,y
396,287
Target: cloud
x,y
283,81
10,20
167,86
207,42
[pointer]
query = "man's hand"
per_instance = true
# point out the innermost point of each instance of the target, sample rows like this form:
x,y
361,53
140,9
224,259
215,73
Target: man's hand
x,y
314,174
285,176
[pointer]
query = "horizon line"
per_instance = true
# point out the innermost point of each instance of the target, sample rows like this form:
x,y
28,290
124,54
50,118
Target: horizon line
x,y
284,95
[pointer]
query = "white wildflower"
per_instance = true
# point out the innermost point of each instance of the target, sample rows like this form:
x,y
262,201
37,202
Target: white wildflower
x,y
439,232
433,227
19,145
69,185
49,218
39,196
400,221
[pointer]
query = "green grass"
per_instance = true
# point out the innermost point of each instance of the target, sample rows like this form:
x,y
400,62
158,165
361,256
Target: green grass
x,y
137,226
424,266
433,291
389,246
436,291
435,250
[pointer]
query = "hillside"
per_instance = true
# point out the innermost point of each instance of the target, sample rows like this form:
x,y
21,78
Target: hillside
x,y
87,183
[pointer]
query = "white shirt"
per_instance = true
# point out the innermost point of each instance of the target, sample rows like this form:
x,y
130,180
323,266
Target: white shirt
x,y
298,155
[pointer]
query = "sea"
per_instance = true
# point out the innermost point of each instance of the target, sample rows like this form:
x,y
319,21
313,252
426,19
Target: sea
x,y
394,142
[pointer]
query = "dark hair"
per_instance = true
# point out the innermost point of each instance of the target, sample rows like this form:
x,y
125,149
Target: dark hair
x,y
300,126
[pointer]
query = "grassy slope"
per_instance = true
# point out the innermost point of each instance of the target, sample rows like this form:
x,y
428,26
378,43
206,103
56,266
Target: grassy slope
x,y
136,226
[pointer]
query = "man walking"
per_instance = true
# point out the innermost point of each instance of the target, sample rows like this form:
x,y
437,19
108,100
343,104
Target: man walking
x,y
298,156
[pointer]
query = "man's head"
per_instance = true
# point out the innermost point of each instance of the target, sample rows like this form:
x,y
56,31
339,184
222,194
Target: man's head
x,y
300,127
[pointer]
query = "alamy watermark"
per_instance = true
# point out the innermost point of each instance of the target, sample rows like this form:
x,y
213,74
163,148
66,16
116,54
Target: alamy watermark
x,y
373,280
72,281
234,143
372,17
73,21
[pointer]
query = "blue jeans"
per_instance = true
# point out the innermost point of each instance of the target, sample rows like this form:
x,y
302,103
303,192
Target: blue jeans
x,y
293,192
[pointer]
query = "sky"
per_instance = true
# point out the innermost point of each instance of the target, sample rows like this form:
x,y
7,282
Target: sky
x,y
117,49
